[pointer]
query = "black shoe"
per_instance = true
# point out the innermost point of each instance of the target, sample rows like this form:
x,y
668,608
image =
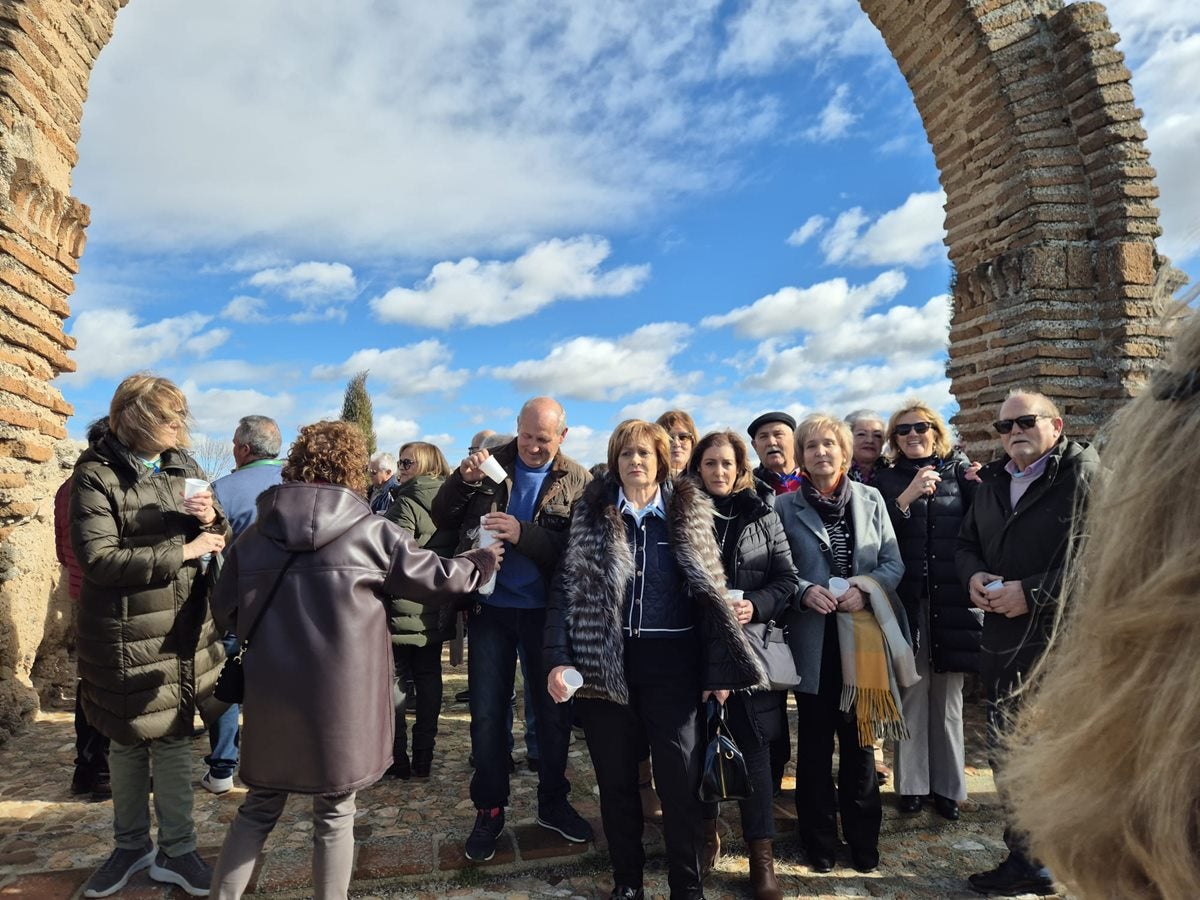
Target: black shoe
x,y
946,808
81,781
623,892
117,870
481,844
909,803
400,768
561,817
422,763
819,860
533,763
1009,879
865,860
463,697
102,787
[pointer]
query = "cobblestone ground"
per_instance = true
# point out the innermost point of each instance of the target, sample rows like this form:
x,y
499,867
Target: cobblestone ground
x,y
410,833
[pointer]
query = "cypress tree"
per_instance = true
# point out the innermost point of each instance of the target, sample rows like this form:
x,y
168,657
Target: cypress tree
x,y
356,408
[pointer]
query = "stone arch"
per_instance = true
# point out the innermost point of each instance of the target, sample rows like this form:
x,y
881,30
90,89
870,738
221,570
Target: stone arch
x,y
1026,104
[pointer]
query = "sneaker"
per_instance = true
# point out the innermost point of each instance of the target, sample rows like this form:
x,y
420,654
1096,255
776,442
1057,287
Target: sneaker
x,y
481,844
188,871
216,785
117,870
561,817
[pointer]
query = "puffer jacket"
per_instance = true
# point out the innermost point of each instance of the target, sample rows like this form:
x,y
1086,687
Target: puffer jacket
x,y
318,708
148,652
928,539
583,616
411,623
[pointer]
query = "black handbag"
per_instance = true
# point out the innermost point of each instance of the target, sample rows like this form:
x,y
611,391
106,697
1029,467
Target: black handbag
x,y
724,776
770,644
231,683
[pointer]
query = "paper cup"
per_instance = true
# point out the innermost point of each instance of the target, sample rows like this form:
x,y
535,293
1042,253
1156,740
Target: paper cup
x,y
573,680
486,539
493,470
994,585
194,486
731,596
838,586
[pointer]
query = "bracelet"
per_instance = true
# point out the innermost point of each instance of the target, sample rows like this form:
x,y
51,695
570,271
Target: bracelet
x,y
902,510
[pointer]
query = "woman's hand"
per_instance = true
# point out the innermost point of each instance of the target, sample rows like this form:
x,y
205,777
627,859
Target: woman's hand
x,y
204,543
924,484
496,550
556,686
818,599
721,696
201,506
743,611
852,601
470,469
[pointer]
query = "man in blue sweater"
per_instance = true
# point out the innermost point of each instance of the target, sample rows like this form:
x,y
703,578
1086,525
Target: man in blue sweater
x,y
530,510
256,444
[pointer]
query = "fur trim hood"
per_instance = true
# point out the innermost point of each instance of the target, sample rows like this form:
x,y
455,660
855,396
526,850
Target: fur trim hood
x,y
594,581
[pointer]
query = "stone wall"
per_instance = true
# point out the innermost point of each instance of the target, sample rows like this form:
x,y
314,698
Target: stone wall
x,y
1050,219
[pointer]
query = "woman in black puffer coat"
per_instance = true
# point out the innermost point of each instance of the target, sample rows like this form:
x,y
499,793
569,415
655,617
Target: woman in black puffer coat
x,y
758,562
928,492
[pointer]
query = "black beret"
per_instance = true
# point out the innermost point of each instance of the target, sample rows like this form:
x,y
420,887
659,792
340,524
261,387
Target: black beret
x,y
769,417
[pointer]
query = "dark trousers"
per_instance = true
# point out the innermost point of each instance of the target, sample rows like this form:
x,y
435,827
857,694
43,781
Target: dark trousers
x,y
857,794
1001,713
758,810
669,713
422,666
495,634
91,747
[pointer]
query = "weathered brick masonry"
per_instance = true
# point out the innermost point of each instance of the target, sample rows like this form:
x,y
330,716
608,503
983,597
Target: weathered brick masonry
x,y
1050,218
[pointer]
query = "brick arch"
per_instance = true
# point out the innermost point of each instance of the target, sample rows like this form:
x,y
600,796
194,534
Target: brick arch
x,y
1027,107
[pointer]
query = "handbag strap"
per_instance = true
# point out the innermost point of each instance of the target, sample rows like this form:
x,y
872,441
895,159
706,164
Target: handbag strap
x,y
267,602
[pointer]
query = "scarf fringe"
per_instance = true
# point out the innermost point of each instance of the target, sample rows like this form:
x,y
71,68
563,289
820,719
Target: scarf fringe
x,y
876,714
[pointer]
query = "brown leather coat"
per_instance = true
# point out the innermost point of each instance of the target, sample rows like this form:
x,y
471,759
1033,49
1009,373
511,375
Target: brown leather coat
x,y
318,710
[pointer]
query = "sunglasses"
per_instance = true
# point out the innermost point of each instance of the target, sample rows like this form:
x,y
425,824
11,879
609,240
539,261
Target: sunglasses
x,y
682,438
1005,426
918,427
406,463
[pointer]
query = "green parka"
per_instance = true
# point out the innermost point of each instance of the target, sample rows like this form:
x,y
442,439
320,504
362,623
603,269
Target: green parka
x,y
148,651
411,623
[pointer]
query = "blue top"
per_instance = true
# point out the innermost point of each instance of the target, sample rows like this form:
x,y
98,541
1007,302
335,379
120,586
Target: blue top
x,y
519,583
238,492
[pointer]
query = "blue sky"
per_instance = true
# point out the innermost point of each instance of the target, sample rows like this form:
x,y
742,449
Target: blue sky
x,y
632,206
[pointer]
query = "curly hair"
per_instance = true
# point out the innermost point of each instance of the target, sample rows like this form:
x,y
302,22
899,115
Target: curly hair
x,y
1117,688
741,457
328,453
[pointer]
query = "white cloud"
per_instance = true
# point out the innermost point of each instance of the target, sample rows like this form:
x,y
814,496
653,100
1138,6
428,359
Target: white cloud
x,y
113,343
811,227
910,235
592,368
793,309
488,293
392,431
835,119
410,371
216,410
308,280
246,310
766,33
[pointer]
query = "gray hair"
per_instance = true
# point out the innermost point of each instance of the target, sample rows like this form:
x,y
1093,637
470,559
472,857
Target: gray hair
x,y
1049,407
260,435
864,415
495,440
384,462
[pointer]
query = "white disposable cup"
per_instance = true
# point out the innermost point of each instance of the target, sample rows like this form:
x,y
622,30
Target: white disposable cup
x,y
486,539
194,486
994,585
493,470
573,680
731,596
838,586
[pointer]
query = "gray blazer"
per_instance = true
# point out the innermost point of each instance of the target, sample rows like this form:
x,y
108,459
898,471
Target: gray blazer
x,y
876,553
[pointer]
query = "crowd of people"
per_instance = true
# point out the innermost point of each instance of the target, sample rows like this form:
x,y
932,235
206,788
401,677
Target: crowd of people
x,y
892,565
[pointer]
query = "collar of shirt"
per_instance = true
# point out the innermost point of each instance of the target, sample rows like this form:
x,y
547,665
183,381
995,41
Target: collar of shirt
x,y
654,508
1032,472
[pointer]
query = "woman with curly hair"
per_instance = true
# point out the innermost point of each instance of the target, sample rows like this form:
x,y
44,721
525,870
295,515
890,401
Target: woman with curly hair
x,y
312,578
1102,771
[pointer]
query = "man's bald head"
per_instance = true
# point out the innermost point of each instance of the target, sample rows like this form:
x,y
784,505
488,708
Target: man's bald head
x,y
541,427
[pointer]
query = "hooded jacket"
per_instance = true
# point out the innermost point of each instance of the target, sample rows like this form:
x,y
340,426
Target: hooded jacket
x,y
318,708
412,623
147,649
583,618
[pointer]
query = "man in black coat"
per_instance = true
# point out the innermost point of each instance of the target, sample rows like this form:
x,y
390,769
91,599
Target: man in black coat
x,y
1011,554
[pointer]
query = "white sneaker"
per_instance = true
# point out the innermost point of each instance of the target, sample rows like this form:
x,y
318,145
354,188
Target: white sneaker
x,y
216,785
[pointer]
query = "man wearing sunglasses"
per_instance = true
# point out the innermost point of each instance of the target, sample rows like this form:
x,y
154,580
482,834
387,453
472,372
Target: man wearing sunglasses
x,y
1011,555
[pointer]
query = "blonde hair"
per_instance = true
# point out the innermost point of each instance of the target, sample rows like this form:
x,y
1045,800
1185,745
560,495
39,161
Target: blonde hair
x,y
818,423
630,432
1104,773
141,405
427,458
941,434
741,457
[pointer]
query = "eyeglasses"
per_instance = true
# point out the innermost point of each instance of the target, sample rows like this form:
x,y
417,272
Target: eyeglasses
x,y
681,438
474,448
406,463
1005,426
918,427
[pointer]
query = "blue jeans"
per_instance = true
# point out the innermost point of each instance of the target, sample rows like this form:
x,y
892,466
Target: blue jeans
x,y
224,733
496,633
